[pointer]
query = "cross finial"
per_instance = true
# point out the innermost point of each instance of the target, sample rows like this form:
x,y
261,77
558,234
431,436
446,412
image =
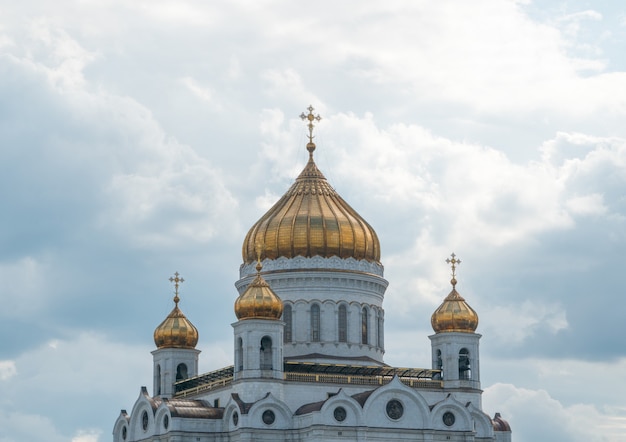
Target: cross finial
x,y
177,281
310,118
454,262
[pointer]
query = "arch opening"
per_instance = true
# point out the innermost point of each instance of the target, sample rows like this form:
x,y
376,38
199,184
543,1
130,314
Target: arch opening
x,y
465,368
181,372
266,353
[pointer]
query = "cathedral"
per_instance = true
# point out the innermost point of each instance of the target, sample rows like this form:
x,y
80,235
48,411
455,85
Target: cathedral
x,y
308,344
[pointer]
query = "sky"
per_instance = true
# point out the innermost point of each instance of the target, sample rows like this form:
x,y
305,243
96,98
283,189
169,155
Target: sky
x,y
142,138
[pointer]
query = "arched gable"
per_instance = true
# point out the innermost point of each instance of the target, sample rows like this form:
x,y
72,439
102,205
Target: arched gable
x,y
230,409
121,423
142,423
353,415
260,410
461,418
413,413
482,422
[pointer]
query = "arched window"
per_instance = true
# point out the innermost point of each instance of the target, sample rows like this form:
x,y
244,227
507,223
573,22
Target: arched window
x,y
342,323
239,355
158,380
364,326
287,336
181,372
465,369
439,365
315,323
379,329
266,353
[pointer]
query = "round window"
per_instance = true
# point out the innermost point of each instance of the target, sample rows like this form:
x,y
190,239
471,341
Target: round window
x,y
235,418
395,410
448,418
269,417
166,421
340,414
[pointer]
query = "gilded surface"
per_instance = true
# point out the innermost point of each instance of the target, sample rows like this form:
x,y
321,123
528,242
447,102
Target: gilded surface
x,y
176,331
454,315
311,219
258,302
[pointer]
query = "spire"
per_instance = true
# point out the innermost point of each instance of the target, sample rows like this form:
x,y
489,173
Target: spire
x,y
310,118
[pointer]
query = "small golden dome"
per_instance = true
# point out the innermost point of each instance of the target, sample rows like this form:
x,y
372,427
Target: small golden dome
x,y
454,314
176,331
258,301
311,219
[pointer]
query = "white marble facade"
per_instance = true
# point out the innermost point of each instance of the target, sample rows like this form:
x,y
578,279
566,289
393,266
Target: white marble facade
x,y
261,401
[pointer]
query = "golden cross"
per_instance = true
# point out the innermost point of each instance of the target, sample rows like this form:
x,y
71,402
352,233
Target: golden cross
x,y
177,281
310,118
454,263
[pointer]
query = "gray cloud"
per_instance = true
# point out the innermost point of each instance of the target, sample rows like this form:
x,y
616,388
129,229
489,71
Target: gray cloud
x,y
138,139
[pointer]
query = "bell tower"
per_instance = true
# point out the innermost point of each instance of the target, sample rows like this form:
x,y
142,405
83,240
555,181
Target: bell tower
x,y
176,357
258,331
454,344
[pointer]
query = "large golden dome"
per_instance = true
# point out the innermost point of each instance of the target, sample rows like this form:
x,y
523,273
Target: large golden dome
x,y
176,331
311,219
258,301
454,314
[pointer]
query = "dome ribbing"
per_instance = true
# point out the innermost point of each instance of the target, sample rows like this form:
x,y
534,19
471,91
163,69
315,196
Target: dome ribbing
x,y
311,219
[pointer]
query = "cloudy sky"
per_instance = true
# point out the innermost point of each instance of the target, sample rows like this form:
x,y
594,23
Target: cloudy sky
x,y
139,138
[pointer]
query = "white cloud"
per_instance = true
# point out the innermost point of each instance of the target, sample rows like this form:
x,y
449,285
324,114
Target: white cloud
x,y
7,370
571,23
288,85
25,294
586,205
514,323
542,417
176,13
87,436
64,58
146,178
24,427
204,93
85,369
190,195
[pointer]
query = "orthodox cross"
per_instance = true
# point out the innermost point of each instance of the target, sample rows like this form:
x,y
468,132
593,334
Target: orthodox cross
x,y
454,262
310,118
177,281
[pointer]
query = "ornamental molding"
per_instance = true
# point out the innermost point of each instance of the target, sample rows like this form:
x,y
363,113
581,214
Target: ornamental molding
x,y
313,263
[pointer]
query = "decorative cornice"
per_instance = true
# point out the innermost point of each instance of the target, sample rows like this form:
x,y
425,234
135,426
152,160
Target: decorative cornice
x,y
314,263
